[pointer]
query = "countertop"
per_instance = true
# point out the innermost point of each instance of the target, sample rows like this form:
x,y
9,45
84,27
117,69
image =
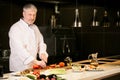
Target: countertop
x,y
110,66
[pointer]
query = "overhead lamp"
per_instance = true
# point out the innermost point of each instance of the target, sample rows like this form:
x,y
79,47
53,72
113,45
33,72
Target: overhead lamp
x,y
77,22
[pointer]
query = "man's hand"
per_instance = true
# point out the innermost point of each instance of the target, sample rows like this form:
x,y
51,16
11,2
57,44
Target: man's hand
x,y
41,63
43,57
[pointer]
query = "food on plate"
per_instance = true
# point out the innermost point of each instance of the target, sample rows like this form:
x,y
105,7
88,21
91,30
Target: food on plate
x,y
36,66
61,64
53,65
77,67
34,72
42,77
51,77
37,73
26,71
31,76
31,73
56,71
92,68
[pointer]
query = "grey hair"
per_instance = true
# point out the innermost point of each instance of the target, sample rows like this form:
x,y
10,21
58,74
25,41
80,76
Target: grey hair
x,y
29,6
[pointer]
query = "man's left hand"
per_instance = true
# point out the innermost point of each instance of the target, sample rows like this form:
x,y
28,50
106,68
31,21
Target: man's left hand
x,y
43,57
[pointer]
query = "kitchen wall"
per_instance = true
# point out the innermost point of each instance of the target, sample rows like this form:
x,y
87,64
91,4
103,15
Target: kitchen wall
x,y
11,12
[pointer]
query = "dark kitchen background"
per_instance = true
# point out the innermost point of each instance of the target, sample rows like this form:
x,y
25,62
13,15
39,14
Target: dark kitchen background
x,y
81,41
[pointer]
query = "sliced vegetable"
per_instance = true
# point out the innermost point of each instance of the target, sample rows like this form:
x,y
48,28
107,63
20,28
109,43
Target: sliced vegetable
x,y
31,76
36,66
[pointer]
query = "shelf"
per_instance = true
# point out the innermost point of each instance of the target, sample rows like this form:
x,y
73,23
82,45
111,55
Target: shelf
x,y
72,30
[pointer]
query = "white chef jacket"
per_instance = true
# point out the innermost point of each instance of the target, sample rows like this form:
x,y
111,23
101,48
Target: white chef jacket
x,y
25,42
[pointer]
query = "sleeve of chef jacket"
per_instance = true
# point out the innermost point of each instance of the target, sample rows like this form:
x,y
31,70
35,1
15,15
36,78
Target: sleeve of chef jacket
x,y
42,46
18,47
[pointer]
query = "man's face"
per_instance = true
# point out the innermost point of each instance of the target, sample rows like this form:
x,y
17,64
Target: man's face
x,y
29,16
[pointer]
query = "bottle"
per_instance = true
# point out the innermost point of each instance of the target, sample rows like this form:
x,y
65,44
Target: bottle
x,y
94,19
77,22
117,23
66,48
68,61
105,21
53,21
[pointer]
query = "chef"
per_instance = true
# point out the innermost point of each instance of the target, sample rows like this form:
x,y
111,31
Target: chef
x,y
26,41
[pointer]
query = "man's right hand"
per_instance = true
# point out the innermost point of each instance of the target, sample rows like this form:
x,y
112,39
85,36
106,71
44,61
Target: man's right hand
x,y
41,63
